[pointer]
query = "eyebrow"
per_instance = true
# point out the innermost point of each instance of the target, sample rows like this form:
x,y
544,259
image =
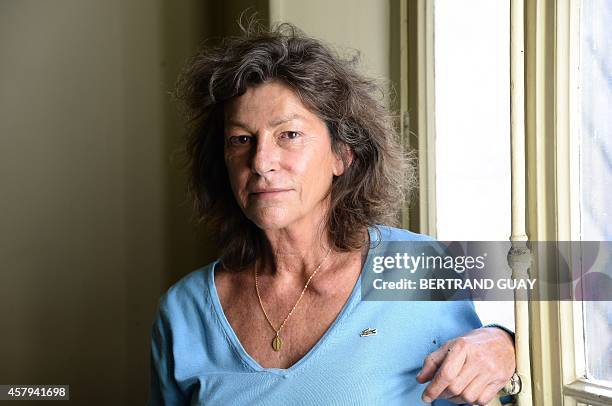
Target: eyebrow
x,y
273,123
283,120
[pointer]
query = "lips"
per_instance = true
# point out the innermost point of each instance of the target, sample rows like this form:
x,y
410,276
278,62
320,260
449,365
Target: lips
x,y
267,193
269,190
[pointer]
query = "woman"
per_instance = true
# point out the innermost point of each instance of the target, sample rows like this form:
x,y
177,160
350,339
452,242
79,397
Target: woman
x,y
295,167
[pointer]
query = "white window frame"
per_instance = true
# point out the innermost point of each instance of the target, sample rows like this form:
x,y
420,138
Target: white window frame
x,y
544,61
413,69
556,327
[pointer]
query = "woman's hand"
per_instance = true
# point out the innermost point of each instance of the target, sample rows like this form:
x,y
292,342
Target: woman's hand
x,y
469,369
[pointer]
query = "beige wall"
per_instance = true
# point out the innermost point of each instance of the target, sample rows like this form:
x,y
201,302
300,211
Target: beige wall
x,y
347,25
63,215
94,220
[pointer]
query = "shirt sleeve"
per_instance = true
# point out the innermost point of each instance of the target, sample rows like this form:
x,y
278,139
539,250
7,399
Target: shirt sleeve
x,y
164,388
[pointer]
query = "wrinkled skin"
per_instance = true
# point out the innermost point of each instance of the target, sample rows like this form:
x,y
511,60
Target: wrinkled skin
x,y
477,366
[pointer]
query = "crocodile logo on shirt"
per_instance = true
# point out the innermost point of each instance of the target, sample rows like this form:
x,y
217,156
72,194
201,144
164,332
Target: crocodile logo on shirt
x,y
368,332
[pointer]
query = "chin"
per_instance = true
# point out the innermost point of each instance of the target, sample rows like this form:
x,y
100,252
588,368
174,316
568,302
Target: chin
x,y
270,218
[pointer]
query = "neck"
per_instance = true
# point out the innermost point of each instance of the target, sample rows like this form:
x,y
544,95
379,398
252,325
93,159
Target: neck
x,y
293,254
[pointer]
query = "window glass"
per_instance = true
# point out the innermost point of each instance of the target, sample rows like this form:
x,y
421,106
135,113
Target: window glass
x,y
596,168
472,115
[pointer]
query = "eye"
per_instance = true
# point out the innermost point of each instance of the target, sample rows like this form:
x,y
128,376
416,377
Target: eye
x,y
291,135
239,139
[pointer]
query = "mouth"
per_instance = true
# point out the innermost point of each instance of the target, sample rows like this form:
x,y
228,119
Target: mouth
x,y
268,193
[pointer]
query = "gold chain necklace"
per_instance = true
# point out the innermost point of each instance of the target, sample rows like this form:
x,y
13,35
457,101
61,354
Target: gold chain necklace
x,y
276,342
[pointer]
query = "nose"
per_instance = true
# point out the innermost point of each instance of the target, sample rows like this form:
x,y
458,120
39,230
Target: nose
x,y
265,155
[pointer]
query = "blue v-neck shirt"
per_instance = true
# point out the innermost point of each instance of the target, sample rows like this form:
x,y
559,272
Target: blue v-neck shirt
x,y
197,359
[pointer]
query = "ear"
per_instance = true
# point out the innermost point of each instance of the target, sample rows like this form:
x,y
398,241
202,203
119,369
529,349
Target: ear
x,y
339,165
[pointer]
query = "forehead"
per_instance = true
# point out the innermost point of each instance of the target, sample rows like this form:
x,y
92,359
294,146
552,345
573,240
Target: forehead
x,y
270,101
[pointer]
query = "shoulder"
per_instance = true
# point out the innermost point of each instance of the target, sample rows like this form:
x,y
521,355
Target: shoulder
x,y
382,232
187,292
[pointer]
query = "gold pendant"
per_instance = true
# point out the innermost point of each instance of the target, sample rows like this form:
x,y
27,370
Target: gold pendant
x,y
276,343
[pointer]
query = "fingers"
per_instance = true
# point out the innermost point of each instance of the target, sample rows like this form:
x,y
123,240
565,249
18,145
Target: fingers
x,y
432,363
458,385
472,393
447,372
473,371
487,395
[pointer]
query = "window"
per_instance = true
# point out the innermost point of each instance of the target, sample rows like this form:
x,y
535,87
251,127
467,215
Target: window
x,y
561,160
594,139
472,119
472,128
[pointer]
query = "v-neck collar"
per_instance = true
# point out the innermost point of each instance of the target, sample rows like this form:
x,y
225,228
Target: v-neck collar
x,y
230,334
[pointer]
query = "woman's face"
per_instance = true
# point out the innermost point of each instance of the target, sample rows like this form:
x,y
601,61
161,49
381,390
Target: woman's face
x,y
279,158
